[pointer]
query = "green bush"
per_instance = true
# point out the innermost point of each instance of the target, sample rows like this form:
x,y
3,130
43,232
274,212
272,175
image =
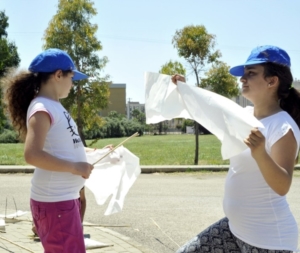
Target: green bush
x,y
8,136
115,127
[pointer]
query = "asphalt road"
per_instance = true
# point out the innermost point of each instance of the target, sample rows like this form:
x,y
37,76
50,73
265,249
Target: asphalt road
x,y
162,211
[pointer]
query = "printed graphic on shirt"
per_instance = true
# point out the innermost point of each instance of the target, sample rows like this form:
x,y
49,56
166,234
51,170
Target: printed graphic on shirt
x,y
73,130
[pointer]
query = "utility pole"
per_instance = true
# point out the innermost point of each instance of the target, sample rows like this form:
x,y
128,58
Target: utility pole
x,y
128,109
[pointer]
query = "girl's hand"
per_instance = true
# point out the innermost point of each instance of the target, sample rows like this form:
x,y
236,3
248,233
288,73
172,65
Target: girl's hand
x,y
256,142
82,169
177,77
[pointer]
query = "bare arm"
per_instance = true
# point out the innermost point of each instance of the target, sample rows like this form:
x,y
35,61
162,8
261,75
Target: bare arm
x,y
82,203
38,127
276,168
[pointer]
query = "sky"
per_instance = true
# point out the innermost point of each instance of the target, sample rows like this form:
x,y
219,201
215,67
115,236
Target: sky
x,y
136,35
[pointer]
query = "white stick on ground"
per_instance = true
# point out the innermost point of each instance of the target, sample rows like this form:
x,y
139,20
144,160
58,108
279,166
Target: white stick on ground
x,y
165,233
16,244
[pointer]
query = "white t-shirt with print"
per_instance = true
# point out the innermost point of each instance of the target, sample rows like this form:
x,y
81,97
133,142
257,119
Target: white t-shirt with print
x,y
258,215
64,142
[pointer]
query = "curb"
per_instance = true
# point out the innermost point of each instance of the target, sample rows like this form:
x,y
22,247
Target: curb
x,y
145,169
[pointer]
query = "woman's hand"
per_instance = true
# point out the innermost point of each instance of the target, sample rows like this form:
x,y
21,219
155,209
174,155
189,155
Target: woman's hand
x,y
110,146
256,142
278,166
177,77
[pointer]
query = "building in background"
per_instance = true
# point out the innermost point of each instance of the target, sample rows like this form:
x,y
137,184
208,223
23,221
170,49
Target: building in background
x,y
117,99
130,106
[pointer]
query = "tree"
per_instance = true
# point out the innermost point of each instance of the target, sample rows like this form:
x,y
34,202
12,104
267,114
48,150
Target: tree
x,y
138,116
219,80
115,115
135,113
196,46
70,30
8,58
141,118
171,68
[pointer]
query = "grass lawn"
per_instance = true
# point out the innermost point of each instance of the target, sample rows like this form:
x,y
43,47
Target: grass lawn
x,y
152,150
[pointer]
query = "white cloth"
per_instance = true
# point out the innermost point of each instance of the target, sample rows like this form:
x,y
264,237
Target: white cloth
x,y
221,116
113,175
62,141
257,215
92,244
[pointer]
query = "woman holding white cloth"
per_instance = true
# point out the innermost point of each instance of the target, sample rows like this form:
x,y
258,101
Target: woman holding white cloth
x,y
258,218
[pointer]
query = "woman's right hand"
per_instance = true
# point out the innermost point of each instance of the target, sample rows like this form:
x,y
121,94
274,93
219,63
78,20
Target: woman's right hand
x,y
177,77
83,169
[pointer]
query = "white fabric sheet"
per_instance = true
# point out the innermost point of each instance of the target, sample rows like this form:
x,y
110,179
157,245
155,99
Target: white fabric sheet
x,y
92,244
112,176
17,214
221,116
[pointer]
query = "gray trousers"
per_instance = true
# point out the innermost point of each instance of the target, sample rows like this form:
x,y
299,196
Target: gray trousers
x,y
218,239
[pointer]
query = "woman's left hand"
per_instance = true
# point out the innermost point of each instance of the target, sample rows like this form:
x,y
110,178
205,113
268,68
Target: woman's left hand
x,y
110,146
256,142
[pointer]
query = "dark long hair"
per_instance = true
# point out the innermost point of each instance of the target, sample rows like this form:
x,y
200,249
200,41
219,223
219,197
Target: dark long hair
x,y
20,89
288,95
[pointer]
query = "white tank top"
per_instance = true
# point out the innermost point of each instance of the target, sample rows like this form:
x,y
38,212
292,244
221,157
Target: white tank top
x,y
62,141
257,215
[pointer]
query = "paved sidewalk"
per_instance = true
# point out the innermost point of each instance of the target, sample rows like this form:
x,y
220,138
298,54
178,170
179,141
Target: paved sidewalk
x,y
18,238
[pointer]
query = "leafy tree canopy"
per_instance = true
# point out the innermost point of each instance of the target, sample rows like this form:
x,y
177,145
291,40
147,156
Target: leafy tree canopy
x,y
196,45
71,30
115,115
9,57
172,68
8,51
139,116
219,80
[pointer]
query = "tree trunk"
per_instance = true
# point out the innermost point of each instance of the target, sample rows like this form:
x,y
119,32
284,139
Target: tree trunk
x,y
196,128
160,127
79,119
80,131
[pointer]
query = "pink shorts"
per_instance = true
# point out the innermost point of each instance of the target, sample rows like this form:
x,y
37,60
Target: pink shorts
x,y
59,226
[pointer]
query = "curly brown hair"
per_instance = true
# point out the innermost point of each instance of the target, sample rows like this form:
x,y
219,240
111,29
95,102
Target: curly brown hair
x,y
19,90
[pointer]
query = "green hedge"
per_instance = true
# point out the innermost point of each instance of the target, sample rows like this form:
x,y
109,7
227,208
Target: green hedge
x,y
8,136
115,127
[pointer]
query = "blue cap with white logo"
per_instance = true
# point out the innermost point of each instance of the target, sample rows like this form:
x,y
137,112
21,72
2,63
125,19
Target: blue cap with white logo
x,y
263,54
54,59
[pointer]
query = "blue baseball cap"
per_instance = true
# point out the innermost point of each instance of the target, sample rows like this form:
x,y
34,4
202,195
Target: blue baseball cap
x,y
54,59
263,54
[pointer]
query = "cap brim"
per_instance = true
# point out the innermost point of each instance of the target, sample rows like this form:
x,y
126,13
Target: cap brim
x,y
239,70
79,76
